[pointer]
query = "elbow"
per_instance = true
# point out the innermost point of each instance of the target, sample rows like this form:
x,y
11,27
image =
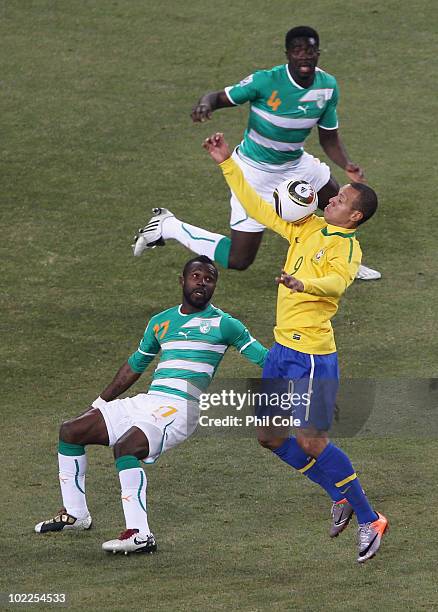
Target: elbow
x,y
328,139
338,289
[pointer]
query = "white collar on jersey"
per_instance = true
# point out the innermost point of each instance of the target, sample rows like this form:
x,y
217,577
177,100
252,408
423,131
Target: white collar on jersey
x,y
183,314
294,83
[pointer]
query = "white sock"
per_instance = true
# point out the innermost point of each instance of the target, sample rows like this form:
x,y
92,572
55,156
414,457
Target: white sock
x,y
196,239
134,482
72,471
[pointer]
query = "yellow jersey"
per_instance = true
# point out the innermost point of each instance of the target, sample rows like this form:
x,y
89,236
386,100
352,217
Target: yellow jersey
x,y
324,257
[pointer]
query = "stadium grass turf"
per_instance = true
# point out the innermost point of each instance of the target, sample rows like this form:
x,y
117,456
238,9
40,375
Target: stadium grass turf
x,y
95,110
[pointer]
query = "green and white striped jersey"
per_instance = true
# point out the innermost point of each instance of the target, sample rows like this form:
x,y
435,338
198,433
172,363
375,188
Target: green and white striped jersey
x,y
282,113
192,347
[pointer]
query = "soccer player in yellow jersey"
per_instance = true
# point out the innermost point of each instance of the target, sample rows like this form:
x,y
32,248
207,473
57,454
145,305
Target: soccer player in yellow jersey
x,y
321,263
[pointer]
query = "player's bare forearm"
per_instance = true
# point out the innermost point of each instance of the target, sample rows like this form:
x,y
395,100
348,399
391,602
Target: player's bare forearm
x,y
208,104
217,148
335,150
124,379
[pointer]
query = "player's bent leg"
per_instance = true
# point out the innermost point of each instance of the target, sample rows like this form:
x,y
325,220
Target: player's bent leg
x,y
288,450
341,510
137,537
337,466
88,428
244,249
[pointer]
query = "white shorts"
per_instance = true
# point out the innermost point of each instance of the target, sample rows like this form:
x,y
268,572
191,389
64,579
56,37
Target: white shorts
x,y
166,420
264,181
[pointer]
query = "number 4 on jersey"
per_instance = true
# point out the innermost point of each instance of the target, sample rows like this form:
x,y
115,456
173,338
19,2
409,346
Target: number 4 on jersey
x,y
274,101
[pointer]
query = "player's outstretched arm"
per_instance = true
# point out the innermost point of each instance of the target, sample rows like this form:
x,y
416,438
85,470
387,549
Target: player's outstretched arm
x,y
335,149
206,105
124,379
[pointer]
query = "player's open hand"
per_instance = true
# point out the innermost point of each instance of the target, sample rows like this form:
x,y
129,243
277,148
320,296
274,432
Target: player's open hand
x,y
355,173
201,112
290,282
217,147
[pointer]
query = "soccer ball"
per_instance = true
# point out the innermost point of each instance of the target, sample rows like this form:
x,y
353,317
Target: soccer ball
x,y
295,200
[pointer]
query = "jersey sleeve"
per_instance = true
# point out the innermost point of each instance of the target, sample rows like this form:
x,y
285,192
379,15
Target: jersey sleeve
x,y
344,258
236,334
329,118
254,205
148,348
247,90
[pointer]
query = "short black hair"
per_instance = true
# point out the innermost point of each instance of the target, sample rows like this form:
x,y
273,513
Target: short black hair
x,y
201,259
366,203
301,32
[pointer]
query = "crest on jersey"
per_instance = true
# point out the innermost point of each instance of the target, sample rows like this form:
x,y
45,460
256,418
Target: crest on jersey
x,y
320,100
317,257
205,327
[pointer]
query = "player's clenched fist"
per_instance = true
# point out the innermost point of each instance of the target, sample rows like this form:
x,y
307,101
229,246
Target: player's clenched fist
x,y
202,111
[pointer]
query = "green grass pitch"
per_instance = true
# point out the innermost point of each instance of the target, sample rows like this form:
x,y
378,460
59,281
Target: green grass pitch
x,y
95,98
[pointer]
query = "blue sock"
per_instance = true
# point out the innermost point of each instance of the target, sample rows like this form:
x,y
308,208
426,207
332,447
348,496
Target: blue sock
x,y
291,453
335,464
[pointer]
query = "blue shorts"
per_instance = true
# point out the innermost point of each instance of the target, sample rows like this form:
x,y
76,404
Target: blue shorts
x,y
311,381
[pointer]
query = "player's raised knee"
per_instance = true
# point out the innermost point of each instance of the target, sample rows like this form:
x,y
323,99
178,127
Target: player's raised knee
x,y
68,432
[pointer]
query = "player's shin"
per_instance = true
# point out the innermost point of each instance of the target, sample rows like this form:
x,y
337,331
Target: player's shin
x,y
133,484
292,454
72,468
198,240
336,465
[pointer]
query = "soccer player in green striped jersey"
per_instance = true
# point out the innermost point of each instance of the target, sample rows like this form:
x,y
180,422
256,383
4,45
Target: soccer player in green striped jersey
x,y
286,102
192,338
